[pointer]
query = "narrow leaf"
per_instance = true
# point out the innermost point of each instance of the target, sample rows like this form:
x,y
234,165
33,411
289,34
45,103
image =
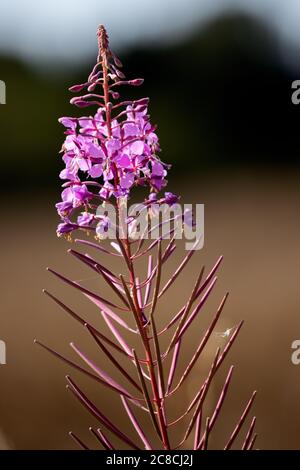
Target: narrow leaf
x,y
198,429
103,441
173,365
240,422
96,246
80,369
83,289
198,308
78,441
176,273
250,446
98,414
186,311
249,434
135,424
157,283
83,322
219,403
113,360
106,377
202,344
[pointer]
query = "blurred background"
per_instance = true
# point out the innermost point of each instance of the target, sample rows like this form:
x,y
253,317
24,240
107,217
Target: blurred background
x,y
219,76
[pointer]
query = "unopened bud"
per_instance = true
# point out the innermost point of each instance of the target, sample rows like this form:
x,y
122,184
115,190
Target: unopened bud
x,y
79,102
92,87
117,61
120,74
77,88
136,82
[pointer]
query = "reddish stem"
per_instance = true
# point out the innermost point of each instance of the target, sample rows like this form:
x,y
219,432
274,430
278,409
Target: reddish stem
x,y
150,364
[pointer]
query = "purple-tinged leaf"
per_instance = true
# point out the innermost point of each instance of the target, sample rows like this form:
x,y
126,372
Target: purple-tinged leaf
x,y
153,245
81,369
114,316
116,247
202,345
219,404
84,290
136,425
198,308
148,285
176,273
96,246
173,365
78,441
105,439
186,312
94,264
98,414
138,292
106,377
250,446
240,422
112,285
102,439
249,434
116,333
203,393
209,277
112,359
152,272
200,290
199,399
84,259
83,322
198,429
206,434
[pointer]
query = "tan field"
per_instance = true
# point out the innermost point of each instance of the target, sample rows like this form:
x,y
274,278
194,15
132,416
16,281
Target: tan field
x,y
253,221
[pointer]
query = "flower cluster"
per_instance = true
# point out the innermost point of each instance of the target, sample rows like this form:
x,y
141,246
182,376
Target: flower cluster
x,y
109,153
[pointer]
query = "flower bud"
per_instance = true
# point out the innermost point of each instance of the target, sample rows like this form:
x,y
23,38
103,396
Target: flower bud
x,y
115,95
92,87
77,88
136,82
117,61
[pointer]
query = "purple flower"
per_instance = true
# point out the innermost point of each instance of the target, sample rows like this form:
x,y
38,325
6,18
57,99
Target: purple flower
x,y
106,191
69,123
171,198
74,196
85,219
65,228
127,180
102,226
112,149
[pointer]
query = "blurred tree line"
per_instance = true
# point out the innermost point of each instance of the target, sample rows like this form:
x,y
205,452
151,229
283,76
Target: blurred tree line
x,y
221,98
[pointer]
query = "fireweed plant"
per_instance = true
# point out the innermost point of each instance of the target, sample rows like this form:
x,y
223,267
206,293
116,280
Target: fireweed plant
x,y
106,156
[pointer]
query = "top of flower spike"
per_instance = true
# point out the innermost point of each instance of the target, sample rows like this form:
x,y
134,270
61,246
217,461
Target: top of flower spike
x,y
110,152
